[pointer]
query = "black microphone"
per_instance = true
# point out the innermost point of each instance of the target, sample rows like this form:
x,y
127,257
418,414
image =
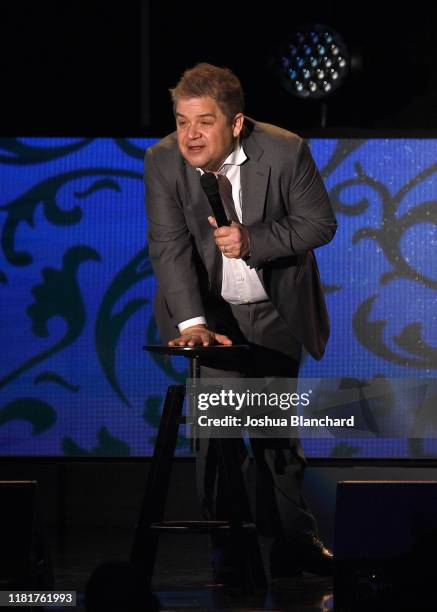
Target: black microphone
x,y
209,183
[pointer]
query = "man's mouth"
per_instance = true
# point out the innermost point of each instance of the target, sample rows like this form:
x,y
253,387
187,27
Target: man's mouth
x,y
195,148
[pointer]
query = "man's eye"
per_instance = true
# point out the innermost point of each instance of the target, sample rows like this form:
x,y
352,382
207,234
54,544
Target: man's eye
x,y
182,124
206,122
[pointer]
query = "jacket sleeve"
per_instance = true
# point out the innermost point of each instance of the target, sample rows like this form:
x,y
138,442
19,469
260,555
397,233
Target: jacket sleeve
x,y
310,221
170,246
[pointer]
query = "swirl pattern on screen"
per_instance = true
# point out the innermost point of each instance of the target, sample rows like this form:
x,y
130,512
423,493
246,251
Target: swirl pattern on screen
x,y
77,291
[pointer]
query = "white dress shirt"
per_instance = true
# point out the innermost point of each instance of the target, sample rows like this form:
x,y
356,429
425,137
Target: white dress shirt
x,y
240,284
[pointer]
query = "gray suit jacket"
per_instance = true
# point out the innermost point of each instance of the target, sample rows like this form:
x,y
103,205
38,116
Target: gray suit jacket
x,y
286,210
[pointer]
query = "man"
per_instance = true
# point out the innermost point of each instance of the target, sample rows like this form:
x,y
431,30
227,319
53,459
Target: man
x,y
255,281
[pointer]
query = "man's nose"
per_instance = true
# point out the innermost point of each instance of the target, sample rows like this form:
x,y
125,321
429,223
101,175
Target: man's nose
x,y
193,132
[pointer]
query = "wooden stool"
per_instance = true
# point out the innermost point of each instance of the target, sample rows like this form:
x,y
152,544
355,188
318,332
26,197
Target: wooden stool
x,y
150,525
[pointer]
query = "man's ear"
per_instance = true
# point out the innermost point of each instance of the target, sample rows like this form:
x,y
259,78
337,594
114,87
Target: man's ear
x,y
237,124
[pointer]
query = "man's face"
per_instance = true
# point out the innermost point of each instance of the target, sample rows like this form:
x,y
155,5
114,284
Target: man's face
x,y
205,135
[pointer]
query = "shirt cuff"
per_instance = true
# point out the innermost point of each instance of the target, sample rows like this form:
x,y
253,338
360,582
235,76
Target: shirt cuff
x,y
190,322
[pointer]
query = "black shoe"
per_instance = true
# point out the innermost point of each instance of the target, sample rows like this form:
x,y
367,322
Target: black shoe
x,y
289,559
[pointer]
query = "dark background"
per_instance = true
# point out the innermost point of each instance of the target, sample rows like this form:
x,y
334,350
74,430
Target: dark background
x,y
99,68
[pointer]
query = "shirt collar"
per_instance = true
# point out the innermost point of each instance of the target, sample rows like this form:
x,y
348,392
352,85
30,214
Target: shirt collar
x,y
235,158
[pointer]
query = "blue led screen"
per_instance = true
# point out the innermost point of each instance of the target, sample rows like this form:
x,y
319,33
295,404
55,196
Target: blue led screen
x,y
77,289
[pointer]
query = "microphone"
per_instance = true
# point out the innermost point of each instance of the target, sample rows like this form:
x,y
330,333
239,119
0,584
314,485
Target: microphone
x,y
209,183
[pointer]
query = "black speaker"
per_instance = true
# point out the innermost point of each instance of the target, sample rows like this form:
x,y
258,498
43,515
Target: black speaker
x,y
385,545
24,558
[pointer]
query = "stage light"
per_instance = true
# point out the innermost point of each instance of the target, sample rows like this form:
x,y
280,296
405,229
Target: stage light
x,y
314,62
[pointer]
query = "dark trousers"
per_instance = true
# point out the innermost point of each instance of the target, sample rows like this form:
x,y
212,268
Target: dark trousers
x,y
280,509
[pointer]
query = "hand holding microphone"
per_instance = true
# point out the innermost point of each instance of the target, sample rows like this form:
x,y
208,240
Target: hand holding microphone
x,y
231,237
210,186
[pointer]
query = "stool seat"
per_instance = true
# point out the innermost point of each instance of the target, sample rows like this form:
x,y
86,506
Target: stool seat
x,y
198,526
196,351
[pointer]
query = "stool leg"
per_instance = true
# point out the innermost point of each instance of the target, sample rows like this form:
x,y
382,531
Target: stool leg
x,y
145,543
195,376
245,545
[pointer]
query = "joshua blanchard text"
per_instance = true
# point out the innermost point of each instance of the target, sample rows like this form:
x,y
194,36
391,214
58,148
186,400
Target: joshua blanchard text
x,y
266,421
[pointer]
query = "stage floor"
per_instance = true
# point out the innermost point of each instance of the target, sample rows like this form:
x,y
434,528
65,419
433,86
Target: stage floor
x,y
182,574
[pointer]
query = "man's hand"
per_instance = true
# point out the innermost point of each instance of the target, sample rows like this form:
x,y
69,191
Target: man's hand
x,y
199,335
232,240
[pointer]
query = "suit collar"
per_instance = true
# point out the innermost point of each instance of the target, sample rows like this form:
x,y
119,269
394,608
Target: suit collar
x,y
249,142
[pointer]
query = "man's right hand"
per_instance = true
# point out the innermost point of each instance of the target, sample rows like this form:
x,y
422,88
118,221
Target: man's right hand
x,y
199,335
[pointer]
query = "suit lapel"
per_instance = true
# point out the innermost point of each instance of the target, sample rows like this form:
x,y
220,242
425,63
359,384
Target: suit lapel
x,y
254,177
254,181
199,204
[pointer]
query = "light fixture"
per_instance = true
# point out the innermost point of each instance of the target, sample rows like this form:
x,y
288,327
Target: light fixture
x,y
314,62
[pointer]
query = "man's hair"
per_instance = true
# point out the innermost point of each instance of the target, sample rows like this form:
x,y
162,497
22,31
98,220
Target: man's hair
x,y
221,84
